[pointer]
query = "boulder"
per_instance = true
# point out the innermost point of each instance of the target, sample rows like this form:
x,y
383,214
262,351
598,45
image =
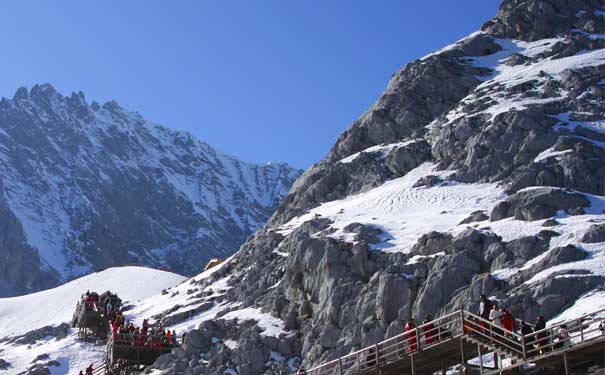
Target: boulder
x,y
329,336
550,223
432,243
196,342
474,217
38,369
364,233
403,159
4,364
560,255
428,181
448,274
394,293
538,203
594,234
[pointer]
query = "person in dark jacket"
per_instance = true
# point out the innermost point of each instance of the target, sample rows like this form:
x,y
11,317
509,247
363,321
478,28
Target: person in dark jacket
x,y
541,337
527,331
371,358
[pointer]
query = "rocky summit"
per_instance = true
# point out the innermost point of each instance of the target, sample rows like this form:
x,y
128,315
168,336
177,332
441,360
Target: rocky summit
x,y
86,186
479,170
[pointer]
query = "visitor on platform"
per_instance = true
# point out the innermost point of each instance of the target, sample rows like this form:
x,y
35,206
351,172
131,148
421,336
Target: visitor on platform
x,y
410,335
485,307
495,315
563,337
508,322
541,337
527,331
429,330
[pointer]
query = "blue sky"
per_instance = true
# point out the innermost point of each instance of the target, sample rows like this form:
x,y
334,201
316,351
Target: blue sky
x,y
263,80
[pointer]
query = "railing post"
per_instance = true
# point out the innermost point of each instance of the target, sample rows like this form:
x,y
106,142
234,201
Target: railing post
x,y
340,365
523,347
552,340
378,359
581,331
417,338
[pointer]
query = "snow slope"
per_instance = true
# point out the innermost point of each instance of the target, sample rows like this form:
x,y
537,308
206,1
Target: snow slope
x,y
141,287
405,212
19,315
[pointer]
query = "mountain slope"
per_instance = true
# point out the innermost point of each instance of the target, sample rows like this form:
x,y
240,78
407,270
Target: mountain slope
x,y
46,311
480,169
85,187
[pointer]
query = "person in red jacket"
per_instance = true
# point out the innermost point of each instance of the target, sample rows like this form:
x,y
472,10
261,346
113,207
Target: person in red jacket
x,y
508,323
429,330
89,370
410,335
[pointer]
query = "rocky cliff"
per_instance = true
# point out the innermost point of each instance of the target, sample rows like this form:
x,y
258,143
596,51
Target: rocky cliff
x,y
479,170
84,187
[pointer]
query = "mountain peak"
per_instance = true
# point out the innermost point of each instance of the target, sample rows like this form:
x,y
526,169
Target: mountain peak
x,y
532,20
21,94
115,175
45,90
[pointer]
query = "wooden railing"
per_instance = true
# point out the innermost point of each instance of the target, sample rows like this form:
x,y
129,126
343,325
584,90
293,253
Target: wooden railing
x,y
464,323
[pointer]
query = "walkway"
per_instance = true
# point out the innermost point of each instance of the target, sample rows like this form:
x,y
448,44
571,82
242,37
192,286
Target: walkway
x,y
456,338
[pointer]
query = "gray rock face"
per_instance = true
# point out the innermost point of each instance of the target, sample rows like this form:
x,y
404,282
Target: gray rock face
x,y
433,243
594,234
101,186
58,332
4,365
335,297
536,204
20,271
475,216
516,19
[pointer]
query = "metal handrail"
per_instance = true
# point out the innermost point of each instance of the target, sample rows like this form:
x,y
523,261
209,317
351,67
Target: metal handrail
x,y
394,348
448,326
112,341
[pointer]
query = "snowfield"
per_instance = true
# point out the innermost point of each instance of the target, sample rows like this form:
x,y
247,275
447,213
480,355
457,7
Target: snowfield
x,y
19,315
404,212
151,292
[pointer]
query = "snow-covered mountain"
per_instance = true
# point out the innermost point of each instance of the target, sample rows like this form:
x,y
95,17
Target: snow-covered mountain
x,y
479,170
84,187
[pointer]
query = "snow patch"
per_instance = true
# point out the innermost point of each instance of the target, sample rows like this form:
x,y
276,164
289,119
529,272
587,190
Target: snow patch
x,y
404,212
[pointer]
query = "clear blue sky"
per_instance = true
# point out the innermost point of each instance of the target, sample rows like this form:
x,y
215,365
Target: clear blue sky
x,y
263,80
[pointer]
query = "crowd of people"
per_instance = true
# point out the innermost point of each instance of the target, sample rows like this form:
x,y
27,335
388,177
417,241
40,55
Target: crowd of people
x,y
537,339
124,332
149,336
497,323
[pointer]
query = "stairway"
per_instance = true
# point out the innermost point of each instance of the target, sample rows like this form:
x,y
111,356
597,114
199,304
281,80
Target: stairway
x,y
487,347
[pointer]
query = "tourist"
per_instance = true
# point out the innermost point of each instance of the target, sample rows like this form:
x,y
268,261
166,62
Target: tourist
x,y
410,335
429,329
